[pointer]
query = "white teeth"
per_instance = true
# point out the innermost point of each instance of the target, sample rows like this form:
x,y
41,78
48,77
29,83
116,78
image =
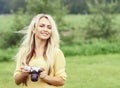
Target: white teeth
x,y
44,34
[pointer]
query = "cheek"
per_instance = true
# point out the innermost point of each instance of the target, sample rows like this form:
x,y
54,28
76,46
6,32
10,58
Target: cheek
x,y
39,29
50,32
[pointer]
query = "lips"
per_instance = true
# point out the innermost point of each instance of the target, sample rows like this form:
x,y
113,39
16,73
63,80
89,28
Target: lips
x,y
45,34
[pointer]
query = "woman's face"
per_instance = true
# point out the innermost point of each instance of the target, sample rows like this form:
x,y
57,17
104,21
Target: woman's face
x,y
44,29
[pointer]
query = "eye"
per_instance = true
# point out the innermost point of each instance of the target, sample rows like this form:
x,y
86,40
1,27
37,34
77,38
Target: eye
x,y
49,27
41,25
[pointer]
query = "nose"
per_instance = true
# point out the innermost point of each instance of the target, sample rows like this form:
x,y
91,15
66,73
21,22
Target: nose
x,y
45,28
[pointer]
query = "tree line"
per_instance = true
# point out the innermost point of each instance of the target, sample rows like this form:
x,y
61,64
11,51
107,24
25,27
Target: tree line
x,y
73,6
97,37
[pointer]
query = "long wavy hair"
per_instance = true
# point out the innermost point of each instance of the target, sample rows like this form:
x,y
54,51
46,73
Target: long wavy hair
x,y
26,49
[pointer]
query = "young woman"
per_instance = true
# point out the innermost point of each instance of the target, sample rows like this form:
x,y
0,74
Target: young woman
x,y
40,48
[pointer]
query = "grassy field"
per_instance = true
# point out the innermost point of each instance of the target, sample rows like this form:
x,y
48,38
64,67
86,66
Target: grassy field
x,y
99,71
80,21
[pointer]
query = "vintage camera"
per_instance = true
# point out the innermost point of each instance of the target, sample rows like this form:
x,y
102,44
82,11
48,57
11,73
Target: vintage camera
x,y
34,71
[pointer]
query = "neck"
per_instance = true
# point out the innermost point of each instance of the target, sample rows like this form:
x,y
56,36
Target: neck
x,y
40,46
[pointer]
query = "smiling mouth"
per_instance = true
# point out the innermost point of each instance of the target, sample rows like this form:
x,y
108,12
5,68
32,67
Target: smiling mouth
x,y
44,34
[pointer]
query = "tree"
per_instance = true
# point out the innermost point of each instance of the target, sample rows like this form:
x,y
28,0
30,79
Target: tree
x,y
4,6
17,4
53,7
76,6
100,25
33,7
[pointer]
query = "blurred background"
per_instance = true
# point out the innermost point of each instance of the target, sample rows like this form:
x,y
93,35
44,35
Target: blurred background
x,y
89,32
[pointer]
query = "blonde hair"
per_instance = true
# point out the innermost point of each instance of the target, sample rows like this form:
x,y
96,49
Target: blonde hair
x,y
27,47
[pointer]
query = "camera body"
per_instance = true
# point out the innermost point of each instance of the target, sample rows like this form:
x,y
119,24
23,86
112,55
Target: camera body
x,y
34,71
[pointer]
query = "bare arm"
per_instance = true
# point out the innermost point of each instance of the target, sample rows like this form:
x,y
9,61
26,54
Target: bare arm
x,y
21,77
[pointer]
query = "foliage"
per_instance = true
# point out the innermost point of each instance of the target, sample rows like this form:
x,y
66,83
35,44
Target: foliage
x,y
72,40
106,6
91,49
71,37
12,37
72,50
100,25
53,7
17,4
76,6
7,6
4,6
81,6
7,54
22,18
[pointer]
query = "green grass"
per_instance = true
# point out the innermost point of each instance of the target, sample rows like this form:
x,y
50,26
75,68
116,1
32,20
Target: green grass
x,y
80,21
6,75
77,21
99,71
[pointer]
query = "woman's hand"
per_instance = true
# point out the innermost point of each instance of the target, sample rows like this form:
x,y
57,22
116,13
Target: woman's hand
x,y
43,74
24,71
21,77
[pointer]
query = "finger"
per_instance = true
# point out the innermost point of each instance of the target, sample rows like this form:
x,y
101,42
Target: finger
x,y
25,71
24,64
22,67
42,69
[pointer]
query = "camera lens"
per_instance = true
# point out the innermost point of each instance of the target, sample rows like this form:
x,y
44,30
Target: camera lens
x,y
34,76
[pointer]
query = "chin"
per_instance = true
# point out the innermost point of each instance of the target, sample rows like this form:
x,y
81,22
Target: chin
x,y
45,38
